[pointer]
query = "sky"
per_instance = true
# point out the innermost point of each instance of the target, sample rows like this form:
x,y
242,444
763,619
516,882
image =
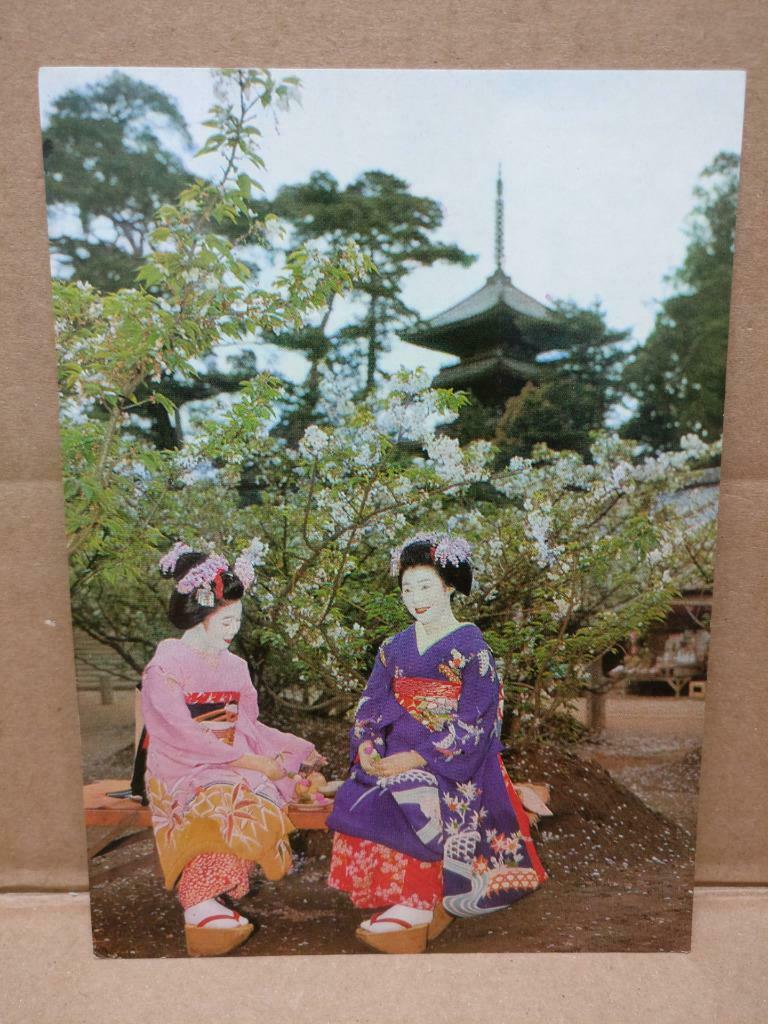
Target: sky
x,y
598,169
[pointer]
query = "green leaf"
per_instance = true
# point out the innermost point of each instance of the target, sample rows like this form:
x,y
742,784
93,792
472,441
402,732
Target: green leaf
x,y
165,402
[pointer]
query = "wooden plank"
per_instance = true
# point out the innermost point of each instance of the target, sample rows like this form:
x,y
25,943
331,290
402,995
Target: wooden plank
x,y
106,837
124,814
102,810
121,814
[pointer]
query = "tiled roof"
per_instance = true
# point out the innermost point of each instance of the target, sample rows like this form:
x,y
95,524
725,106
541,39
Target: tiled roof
x,y
498,290
495,312
489,362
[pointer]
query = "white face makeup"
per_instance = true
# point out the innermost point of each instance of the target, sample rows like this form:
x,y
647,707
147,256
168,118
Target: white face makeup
x,y
425,595
223,625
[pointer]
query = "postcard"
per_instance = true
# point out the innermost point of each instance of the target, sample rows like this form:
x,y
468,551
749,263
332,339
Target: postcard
x,y
391,407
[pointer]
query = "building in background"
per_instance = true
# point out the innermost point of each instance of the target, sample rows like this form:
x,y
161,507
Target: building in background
x,y
497,334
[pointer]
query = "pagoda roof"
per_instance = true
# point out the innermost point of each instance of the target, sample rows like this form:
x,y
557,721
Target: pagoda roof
x,y
498,302
494,363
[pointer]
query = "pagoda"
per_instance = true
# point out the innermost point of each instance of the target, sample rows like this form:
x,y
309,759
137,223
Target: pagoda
x,y
496,333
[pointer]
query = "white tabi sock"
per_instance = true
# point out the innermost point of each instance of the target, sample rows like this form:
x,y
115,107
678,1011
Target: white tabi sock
x,y
412,915
208,908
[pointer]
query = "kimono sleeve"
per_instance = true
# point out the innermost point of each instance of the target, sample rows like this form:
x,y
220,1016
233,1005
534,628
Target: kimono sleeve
x,y
168,721
457,751
373,710
262,739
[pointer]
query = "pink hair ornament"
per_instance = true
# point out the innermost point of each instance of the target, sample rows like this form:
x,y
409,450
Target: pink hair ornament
x,y
452,549
443,549
200,577
168,562
253,555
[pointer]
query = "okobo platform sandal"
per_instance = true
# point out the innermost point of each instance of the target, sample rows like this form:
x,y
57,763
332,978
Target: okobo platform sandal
x,y
409,938
202,941
441,919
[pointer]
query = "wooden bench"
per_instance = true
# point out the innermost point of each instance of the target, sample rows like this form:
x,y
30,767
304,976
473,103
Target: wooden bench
x,y
122,820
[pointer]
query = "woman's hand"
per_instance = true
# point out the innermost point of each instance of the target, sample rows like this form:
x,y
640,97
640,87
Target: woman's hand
x,y
397,763
315,760
256,763
368,758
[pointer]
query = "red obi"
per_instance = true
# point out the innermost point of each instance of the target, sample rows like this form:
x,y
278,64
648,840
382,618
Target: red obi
x,y
433,702
216,711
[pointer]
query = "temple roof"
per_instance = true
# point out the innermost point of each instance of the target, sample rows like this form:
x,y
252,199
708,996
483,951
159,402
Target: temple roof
x,y
498,290
494,363
499,307
494,321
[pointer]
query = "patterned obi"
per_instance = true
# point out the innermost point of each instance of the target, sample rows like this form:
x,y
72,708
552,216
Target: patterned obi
x,y
216,711
433,702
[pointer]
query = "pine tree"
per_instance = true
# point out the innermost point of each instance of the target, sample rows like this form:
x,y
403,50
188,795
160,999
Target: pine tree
x,y
677,377
575,392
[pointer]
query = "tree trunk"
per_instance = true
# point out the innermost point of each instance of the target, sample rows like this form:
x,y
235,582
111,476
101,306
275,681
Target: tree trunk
x,y
596,697
370,379
178,427
312,384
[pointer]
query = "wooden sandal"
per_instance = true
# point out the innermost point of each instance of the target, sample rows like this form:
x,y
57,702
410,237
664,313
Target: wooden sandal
x,y
410,938
441,919
202,941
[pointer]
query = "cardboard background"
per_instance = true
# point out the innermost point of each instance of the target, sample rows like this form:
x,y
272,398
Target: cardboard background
x,y
40,813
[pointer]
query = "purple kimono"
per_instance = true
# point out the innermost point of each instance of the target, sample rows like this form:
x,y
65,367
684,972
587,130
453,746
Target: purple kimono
x,y
460,807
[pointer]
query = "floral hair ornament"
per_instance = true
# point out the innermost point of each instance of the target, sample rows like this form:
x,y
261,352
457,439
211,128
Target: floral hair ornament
x,y
253,555
420,538
200,577
452,549
168,562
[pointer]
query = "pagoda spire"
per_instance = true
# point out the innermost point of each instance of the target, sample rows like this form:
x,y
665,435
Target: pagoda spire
x,y
499,223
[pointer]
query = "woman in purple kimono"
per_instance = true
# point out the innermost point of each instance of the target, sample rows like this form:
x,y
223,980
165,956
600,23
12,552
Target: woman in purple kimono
x,y
428,822
217,778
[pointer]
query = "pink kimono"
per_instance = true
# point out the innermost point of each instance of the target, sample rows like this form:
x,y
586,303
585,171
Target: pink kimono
x,y
213,822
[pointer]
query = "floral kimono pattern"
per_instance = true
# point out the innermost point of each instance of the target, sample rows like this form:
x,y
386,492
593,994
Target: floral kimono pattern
x,y
460,807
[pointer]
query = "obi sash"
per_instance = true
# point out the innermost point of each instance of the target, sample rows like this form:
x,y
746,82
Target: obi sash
x,y
433,702
216,711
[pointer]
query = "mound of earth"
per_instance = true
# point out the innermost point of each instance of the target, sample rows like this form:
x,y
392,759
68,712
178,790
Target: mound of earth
x,y
662,771
599,828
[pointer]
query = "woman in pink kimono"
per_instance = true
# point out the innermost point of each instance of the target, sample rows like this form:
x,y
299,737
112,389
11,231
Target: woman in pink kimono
x,y
217,778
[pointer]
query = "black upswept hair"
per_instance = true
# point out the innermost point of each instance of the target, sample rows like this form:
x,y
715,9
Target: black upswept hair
x,y
184,610
421,552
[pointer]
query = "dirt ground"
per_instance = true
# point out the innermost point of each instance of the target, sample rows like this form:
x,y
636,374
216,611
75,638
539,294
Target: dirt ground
x,y
618,851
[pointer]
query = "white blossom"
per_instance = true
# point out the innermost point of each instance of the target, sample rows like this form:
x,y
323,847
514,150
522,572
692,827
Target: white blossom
x,y
273,230
314,442
478,456
351,258
412,382
538,526
495,548
621,474
336,402
446,457
693,446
